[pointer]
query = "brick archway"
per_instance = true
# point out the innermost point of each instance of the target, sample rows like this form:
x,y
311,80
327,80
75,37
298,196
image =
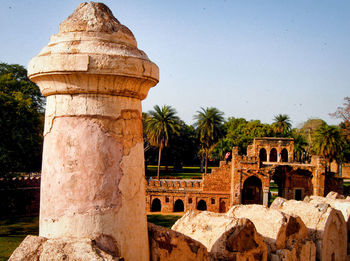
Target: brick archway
x,y
156,205
252,191
222,206
202,205
179,206
262,155
273,155
284,155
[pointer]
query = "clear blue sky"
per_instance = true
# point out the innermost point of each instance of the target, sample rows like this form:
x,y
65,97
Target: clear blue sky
x,y
251,59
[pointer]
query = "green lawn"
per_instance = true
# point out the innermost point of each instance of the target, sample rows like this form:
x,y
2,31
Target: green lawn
x,y
163,220
14,230
185,173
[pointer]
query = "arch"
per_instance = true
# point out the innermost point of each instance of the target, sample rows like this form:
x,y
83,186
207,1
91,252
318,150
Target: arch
x,y
284,155
252,191
202,205
262,155
156,205
273,155
222,206
179,206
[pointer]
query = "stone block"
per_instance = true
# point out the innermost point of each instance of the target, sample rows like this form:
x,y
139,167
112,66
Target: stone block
x,y
285,235
326,226
226,238
35,248
169,245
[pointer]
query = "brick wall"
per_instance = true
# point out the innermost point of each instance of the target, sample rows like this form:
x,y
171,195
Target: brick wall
x,y
219,179
19,197
345,169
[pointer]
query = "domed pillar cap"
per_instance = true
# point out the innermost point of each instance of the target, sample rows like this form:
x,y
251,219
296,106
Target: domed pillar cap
x,y
91,44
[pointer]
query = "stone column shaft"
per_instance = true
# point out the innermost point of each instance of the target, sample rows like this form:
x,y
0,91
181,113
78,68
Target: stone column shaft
x,y
266,196
94,78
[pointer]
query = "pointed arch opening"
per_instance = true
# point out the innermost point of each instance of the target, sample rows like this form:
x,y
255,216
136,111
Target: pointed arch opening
x,y
252,191
156,205
202,205
262,155
284,155
179,206
273,155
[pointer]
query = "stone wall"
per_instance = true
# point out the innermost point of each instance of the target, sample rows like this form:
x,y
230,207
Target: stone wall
x,y
19,196
345,171
333,184
182,201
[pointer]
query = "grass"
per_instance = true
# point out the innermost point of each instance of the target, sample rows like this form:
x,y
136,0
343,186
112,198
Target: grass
x,y
14,230
184,173
163,220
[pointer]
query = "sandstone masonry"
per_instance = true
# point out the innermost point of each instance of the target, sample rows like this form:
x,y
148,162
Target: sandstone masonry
x,y
245,180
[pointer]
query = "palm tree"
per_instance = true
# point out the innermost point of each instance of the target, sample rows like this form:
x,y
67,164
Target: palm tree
x,y
159,126
300,145
327,142
282,124
209,125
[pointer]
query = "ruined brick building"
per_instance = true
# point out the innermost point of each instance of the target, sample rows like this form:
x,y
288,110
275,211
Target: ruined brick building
x,y
245,180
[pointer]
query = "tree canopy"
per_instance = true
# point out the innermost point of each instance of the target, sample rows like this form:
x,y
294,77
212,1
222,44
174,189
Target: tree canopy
x,y
343,113
241,132
21,121
282,125
327,142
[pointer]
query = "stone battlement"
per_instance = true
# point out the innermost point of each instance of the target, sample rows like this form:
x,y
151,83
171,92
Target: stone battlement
x,y
249,159
20,182
171,184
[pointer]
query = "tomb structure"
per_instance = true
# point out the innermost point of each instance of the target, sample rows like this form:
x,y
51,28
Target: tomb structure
x,y
245,180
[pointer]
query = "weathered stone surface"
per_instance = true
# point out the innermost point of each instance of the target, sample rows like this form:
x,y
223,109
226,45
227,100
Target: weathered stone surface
x,y
35,248
102,54
94,78
170,245
341,204
226,238
93,17
326,226
335,195
285,235
302,252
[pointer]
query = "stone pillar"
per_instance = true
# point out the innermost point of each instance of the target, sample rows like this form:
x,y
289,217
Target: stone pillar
x,y
318,175
266,196
94,78
235,197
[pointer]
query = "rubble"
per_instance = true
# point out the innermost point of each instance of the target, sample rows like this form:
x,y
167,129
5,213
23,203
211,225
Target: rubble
x,y
285,235
326,226
226,238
